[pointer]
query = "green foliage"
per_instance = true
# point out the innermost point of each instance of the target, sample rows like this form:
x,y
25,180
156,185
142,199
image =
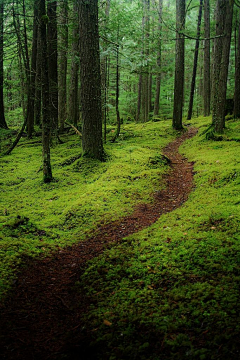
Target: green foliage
x,y
171,291
84,193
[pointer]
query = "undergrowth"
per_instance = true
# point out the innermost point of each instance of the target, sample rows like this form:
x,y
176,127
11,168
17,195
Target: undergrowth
x,y
171,291
35,218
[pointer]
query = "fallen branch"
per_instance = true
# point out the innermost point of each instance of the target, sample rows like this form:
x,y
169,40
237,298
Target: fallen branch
x,y
75,129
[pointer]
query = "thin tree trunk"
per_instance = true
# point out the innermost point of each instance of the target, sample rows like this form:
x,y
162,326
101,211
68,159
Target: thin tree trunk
x,y
30,125
139,98
159,60
237,77
52,62
179,66
73,104
117,98
46,123
27,71
217,53
206,76
3,123
21,55
104,69
145,76
38,84
63,51
25,53
190,108
150,105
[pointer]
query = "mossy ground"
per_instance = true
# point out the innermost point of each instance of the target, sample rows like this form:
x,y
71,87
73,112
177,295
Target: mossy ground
x,y
35,217
171,291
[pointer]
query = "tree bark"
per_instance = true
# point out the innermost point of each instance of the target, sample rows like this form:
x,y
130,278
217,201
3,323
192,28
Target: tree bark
x,y
159,60
52,62
179,66
195,63
206,75
21,54
90,80
73,103
220,77
62,76
237,77
117,97
30,125
46,123
139,97
145,75
38,83
104,71
3,123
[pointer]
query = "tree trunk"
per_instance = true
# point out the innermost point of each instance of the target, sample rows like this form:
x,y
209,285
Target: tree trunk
x,y
104,70
225,14
46,123
3,123
190,108
145,76
139,97
21,55
73,103
38,83
117,98
159,55
150,78
90,80
52,62
30,125
217,52
63,51
179,66
237,78
206,76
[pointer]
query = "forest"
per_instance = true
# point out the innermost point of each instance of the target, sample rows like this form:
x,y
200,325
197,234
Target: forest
x,y
119,179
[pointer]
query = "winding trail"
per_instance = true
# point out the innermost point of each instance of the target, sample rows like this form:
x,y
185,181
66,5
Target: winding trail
x,y
42,318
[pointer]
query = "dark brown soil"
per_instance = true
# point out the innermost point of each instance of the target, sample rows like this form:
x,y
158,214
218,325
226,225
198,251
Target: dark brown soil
x,y
42,317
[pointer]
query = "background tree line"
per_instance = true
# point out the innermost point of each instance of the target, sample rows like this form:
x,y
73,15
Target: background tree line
x,y
87,62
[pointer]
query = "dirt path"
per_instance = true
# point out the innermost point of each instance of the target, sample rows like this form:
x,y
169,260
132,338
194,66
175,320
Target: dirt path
x,y
42,320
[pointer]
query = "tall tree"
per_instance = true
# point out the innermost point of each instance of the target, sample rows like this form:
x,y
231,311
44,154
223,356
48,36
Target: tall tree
x,y
90,80
73,103
158,77
224,16
117,94
63,51
139,101
46,123
237,77
38,81
179,65
3,123
195,62
104,71
30,124
206,74
146,74
52,61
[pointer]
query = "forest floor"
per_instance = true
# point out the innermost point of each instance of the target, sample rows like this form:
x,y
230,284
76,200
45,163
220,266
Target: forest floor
x,y
42,319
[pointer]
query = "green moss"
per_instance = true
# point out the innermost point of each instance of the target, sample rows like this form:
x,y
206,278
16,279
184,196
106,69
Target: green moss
x,y
83,194
175,284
